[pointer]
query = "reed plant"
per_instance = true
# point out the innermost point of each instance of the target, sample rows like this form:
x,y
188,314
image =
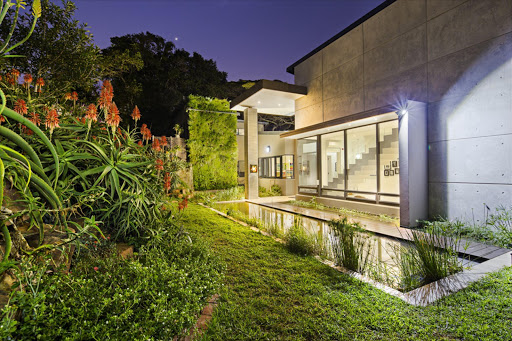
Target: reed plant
x,y
352,246
428,257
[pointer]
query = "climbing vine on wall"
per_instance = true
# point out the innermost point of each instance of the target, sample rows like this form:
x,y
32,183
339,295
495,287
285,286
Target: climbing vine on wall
x,y
212,143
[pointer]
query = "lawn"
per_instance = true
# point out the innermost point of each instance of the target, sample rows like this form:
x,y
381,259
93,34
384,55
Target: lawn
x,y
272,294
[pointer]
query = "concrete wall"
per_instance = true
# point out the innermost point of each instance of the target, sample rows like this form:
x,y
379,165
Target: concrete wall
x,y
455,55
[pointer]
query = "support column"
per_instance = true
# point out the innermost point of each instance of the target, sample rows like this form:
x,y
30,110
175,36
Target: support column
x,y
413,161
251,152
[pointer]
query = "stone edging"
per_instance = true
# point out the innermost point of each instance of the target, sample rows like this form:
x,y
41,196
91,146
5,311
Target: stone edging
x,y
424,295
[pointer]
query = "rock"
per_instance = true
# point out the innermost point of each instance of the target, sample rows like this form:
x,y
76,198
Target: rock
x,y
125,250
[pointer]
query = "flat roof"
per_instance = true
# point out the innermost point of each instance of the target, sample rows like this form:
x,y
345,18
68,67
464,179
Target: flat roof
x,y
291,68
270,97
352,121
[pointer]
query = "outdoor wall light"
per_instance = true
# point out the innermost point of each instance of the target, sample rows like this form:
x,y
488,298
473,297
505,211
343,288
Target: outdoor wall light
x,y
402,112
267,149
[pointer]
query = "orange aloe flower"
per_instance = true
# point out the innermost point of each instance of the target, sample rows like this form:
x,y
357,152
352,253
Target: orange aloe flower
x,y
27,79
138,142
26,130
163,141
156,145
20,107
2,119
113,119
74,96
91,115
136,114
52,120
106,96
68,96
146,133
167,181
39,85
34,118
159,165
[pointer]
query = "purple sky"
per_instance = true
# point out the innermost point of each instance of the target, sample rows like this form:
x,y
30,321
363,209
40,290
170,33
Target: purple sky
x,y
249,39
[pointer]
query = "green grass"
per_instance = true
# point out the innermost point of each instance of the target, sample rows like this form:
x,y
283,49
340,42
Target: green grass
x,y
272,294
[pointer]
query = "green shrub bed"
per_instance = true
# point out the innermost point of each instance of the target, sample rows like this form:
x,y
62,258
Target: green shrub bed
x,y
155,295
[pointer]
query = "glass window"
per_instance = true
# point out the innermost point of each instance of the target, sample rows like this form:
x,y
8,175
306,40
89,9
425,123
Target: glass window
x,y
306,154
333,160
279,167
241,168
288,166
362,159
388,152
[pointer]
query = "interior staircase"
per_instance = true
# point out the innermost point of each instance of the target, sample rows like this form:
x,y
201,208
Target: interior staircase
x,y
358,169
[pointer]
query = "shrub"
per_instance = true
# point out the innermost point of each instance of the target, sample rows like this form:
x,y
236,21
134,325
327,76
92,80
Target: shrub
x,y
352,246
299,241
156,295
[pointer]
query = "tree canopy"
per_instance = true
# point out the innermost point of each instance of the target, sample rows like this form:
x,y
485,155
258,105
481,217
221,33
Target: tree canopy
x,y
169,75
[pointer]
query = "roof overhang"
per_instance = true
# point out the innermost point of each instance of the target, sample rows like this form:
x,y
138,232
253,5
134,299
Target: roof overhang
x,y
270,97
381,114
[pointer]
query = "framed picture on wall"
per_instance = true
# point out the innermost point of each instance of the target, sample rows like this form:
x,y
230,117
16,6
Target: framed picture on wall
x,y
386,172
387,167
397,170
391,173
394,164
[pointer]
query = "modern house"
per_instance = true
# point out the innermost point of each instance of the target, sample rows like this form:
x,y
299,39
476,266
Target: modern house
x,y
407,111
275,162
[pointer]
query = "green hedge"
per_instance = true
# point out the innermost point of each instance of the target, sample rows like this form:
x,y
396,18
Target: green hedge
x,y
212,143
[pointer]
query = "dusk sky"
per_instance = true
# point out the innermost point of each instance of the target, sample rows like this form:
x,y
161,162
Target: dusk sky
x,y
249,39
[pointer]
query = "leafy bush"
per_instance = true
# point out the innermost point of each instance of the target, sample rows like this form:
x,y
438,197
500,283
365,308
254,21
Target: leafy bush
x,y
210,197
156,295
300,241
275,191
352,246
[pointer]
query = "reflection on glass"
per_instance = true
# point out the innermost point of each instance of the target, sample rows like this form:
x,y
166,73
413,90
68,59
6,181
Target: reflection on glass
x,y
306,153
333,160
361,159
389,169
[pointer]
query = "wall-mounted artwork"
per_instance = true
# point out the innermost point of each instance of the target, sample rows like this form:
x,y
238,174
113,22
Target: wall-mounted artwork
x,y
397,171
387,166
386,172
391,173
394,164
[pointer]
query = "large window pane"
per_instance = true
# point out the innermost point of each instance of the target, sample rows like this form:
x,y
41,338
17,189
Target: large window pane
x,y
389,169
288,166
333,160
361,159
306,153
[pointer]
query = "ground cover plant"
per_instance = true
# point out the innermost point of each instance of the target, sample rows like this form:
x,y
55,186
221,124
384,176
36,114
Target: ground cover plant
x,y
272,294
155,295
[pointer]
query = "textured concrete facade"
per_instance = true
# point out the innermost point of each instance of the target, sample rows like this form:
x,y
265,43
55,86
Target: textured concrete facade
x,y
454,55
251,152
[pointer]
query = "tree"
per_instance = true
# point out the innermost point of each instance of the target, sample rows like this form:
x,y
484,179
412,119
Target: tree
x,y
162,86
62,51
